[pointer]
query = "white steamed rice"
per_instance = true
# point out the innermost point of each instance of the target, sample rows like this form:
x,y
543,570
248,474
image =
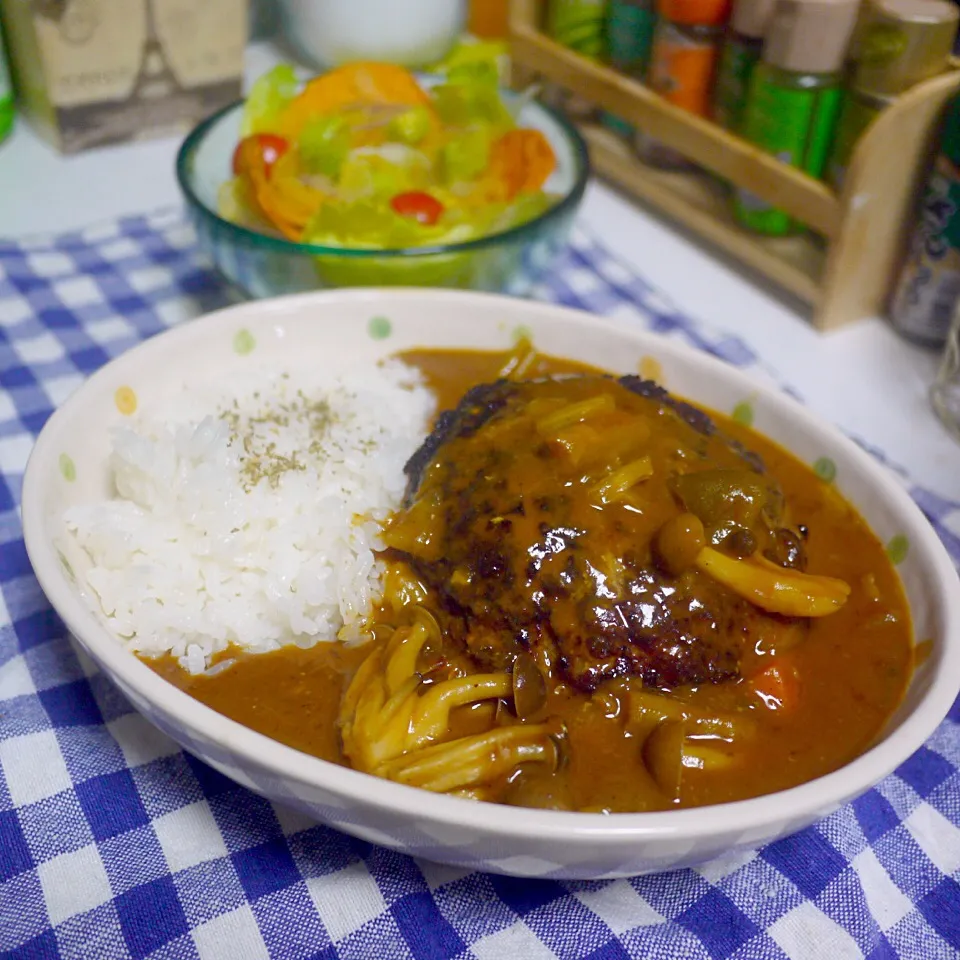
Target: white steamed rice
x,y
215,537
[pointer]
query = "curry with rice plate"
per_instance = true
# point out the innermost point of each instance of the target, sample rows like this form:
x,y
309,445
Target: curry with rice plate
x,y
594,596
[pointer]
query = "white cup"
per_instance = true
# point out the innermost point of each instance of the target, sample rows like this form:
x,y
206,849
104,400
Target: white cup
x,y
412,33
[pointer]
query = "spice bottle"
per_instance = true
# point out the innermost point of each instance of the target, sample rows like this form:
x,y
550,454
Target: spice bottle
x,y
900,43
794,96
741,51
945,390
858,110
6,95
579,25
928,289
488,19
629,36
683,61
897,44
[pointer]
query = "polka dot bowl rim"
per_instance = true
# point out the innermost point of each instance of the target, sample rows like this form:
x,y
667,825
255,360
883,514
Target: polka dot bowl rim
x,y
334,325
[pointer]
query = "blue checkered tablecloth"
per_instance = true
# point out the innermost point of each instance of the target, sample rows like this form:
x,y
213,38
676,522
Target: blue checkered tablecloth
x,y
114,843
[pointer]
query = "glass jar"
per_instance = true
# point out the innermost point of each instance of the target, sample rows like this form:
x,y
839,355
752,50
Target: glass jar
x,y
945,392
682,64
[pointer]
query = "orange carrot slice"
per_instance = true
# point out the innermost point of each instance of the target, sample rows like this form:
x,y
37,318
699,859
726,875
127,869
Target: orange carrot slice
x,y
350,85
281,197
777,685
285,206
521,160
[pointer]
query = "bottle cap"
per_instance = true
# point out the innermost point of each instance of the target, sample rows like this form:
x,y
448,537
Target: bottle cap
x,y
898,43
751,17
810,36
695,13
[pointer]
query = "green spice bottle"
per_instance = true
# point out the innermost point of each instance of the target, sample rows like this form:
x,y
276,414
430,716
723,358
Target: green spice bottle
x,y
860,108
794,96
742,47
6,95
629,35
579,25
897,44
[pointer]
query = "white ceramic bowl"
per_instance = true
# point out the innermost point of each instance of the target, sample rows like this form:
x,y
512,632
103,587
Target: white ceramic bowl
x,y
413,33
68,466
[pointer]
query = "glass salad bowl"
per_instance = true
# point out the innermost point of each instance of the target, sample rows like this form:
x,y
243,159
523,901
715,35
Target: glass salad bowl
x,y
263,265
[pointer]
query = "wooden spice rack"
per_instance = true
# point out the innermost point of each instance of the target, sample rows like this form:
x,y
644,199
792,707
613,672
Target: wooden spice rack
x,y
845,268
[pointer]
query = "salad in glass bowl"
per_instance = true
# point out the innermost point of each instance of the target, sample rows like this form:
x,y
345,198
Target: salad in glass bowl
x,y
370,175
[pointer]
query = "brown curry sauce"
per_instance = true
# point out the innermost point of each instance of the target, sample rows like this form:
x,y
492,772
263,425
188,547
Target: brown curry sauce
x,y
847,675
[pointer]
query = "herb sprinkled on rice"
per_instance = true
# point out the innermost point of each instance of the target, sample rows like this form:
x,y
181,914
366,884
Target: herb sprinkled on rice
x,y
253,519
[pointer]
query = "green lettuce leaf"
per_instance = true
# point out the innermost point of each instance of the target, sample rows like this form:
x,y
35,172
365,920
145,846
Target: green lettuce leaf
x,y
267,98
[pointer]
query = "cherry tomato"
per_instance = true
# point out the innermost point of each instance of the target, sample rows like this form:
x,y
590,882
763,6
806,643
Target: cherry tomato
x,y
266,147
419,206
